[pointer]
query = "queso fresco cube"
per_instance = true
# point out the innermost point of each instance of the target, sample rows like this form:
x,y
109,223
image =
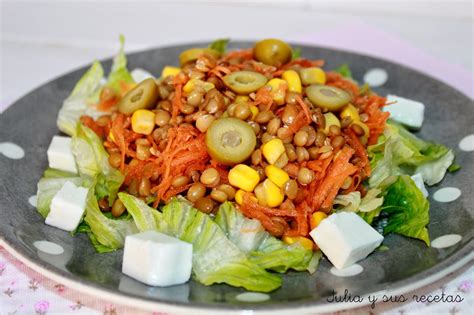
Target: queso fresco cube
x,y
60,155
345,238
157,259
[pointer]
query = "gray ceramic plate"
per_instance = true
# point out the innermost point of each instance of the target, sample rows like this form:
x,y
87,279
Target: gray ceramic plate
x,y
30,124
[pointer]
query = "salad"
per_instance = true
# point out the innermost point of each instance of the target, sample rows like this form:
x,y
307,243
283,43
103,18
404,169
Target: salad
x,y
251,156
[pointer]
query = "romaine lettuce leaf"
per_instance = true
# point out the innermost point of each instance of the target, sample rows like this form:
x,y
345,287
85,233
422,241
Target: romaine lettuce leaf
x,y
80,98
109,232
54,173
93,164
407,209
220,45
119,72
400,152
344,70
48,187
262,248
215,258
145,217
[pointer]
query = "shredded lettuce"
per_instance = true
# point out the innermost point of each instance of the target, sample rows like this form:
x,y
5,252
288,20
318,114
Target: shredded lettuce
x,y
215,258
48,186
407,209
263,249
220,45
78,101
145,217
295,53
344,70
400,152
119,72
93,164
108,232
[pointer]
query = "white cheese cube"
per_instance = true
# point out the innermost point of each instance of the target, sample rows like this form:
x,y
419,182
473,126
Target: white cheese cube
x,y
60,155
345,238
418,179
67,207
405,111
157,259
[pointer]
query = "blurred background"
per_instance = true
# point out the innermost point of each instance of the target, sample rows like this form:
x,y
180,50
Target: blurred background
x,y
43,39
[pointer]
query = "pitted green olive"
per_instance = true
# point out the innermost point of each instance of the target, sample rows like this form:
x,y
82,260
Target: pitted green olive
x,y
273,52
142,96
194,53
230,140
329,97
244,82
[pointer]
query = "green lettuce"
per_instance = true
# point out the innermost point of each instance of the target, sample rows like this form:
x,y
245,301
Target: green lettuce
x,y
407,209
48,186
215,258
93,164
108,232
220,45
400,152
54,173
262,248
119,72
84,93
344,70
145,217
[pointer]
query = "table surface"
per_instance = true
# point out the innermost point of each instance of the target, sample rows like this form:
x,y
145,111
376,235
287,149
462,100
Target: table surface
x,y
41,40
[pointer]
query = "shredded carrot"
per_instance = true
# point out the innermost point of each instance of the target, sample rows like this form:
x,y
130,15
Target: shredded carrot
x,y
253,210
360,151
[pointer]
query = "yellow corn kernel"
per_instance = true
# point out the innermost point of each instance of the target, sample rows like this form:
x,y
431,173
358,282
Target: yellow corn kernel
x,y
239,196
143,121
254,110
303,241
241,99
244,177
293,79
350,111
316,218
194,83
278,94
269,194
276,175
313,75
364,126
111,136
272,150
331,119
169,70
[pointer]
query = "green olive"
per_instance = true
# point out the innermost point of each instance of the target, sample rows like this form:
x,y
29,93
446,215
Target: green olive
x,y
142,96
326,96
244,82
273,52
194,53
230,140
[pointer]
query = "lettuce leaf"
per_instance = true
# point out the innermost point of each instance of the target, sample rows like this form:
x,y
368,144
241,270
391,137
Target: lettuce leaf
x,y
344,70
48,187
400,152
81,96
54,173
407,209
108,232
220,45
145,217
119,72
93,164
215,258
262,248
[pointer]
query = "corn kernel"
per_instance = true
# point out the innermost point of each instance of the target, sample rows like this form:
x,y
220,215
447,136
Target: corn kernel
x,y
276,175
331,119
168,70
241,99
313,75
364,126
278,94
303,241
293,80
350,111
269,194
111,136
316,218
272,150
254,110
196,83
143,121
239,196
244,177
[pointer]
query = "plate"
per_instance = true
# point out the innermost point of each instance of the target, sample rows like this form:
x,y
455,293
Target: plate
x,y
28,126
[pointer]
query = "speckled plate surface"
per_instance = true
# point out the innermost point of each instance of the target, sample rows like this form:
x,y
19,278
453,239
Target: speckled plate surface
x,y
27,127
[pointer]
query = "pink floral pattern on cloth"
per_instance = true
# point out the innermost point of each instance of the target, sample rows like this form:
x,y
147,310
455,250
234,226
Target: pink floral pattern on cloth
x,y
24,291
